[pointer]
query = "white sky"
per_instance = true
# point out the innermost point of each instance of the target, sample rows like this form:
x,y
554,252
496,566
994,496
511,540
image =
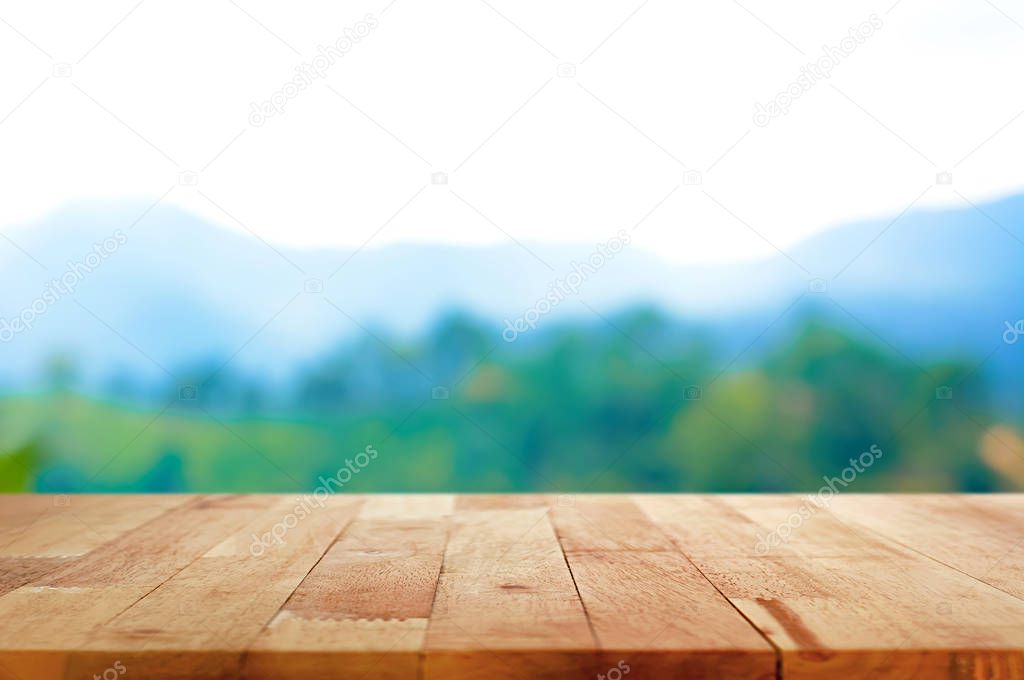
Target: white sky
x,y
470,88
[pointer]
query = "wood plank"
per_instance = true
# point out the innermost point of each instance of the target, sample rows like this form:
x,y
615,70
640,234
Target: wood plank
x,y
198,623
982,536
884,612
152,553
652,611
17,571
501,501
70,527
492,586
655,612
603,523
74,525
506,605
407,506
20,510
400,558
42,621
327,649
363,610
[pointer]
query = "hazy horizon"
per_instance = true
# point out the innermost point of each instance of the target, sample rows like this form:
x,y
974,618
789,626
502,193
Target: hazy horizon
x,y
140,207
561,128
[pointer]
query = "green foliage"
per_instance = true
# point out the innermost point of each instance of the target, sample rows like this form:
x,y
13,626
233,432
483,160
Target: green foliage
x,y
19,467
639,404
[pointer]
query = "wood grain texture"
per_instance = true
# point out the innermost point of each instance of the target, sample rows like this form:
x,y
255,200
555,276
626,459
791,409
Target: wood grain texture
x,y
837,600
641,594
57,612
506,605
363,609
69,526
982,536
493,586
198,622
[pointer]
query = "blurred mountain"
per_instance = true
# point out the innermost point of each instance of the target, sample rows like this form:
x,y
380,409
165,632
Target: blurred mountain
x,y
181,290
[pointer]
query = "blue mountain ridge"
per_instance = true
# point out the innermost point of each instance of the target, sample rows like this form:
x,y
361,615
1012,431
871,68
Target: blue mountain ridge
x,y
935,282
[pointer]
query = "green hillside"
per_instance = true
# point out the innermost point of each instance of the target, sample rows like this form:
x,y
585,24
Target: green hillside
x,y
579,411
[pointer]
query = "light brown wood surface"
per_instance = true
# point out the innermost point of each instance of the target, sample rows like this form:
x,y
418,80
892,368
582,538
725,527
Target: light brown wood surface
x,y
543,586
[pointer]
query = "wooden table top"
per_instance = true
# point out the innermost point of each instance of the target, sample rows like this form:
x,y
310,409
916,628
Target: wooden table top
x,y
441,586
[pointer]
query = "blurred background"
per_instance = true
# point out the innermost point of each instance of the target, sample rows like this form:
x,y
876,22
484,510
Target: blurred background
x,y
508,247
651,376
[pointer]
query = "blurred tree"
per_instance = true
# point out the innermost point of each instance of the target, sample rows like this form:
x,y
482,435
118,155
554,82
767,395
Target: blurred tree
x,y
19,468
630,401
